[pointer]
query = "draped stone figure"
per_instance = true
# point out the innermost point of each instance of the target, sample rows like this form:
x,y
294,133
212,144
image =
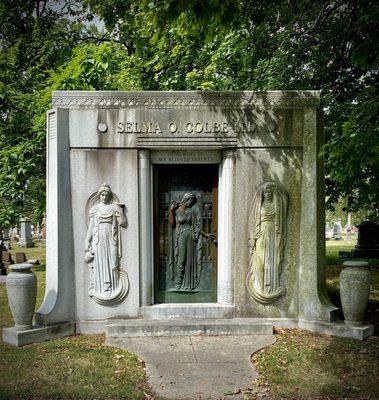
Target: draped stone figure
x,y
185,260
268,221
103,247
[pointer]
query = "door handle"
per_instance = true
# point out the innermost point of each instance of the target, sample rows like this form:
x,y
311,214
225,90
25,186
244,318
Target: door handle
x,y
212,238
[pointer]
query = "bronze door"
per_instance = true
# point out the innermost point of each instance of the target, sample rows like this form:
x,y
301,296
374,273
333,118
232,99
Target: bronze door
x,y
185,228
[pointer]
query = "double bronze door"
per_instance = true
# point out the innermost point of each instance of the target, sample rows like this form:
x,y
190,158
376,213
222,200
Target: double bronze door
x,y
185,229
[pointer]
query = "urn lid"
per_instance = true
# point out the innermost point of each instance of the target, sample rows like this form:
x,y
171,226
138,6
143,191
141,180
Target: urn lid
x,y
355,264
21,267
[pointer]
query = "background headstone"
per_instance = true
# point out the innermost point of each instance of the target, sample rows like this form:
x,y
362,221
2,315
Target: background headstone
x,y
14,234
348,227
337,230
43,227
20,258
328,232
6,258
6,235
368,240
3,270
25,233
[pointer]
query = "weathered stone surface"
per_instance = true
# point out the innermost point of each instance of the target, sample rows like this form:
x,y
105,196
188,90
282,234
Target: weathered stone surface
x,y
254,166
186,326
194,310
25,233
119,169
122,138
37,334
59,302
22,293
355,283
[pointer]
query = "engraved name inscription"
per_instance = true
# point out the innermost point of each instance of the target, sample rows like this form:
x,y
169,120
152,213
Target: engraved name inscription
x,y
173,127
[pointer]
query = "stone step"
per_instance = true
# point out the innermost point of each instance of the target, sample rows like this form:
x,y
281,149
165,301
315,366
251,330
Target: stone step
x,y
183,327
185,310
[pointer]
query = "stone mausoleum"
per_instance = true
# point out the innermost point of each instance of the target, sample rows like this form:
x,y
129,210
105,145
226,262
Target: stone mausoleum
x,y
177,212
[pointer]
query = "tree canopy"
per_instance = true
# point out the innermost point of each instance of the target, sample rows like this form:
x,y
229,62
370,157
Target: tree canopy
x,y
190,45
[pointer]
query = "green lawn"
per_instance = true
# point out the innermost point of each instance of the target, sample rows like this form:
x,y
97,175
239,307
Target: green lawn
x,y
80,367
303,365
300,365
37,252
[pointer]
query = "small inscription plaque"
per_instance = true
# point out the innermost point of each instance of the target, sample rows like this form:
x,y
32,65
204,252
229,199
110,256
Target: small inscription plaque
x,y
186,157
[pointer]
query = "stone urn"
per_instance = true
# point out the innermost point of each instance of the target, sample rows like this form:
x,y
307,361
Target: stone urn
x,y
355,283
22,292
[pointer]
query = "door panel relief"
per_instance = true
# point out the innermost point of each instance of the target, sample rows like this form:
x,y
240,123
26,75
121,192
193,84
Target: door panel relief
x,y
185,221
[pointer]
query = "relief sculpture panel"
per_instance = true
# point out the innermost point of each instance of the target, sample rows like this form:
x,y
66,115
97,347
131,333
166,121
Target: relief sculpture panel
x,y
185,236
106,218
268,225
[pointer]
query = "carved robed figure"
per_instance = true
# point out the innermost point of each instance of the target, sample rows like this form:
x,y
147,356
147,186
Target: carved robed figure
x,y
268,224
103,247
185,260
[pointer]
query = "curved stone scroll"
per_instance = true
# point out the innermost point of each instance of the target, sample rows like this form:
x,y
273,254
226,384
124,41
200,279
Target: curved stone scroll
x,y
105,217
268,224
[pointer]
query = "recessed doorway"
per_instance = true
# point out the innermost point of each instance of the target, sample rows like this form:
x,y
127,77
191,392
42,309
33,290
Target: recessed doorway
x,y
185,233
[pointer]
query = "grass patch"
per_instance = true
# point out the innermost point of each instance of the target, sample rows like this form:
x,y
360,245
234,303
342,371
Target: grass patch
x,y
79,367
38,252
333,247
302,365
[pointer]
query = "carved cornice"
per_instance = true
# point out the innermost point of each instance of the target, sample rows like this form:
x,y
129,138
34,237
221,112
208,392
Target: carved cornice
x,y
181,100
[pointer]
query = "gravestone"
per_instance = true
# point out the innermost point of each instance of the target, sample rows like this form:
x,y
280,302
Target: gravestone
x,y
20,258
14,234
348,227
25,233
3,269
337,229
328,232
6,258
170,206
43,228
6,235
368,240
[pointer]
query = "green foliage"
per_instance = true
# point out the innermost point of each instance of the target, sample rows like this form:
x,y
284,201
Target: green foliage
x,y
192,45
228,45
34,39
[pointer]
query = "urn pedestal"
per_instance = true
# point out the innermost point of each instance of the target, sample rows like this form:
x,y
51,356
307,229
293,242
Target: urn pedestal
x,y
355,282
22,292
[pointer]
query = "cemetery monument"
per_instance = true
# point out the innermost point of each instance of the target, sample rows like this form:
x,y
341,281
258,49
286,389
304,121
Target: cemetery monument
x,y
182,206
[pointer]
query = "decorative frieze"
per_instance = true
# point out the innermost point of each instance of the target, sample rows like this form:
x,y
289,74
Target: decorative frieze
x,y
179,100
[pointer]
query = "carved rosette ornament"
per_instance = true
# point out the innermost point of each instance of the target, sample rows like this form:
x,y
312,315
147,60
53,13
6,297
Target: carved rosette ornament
x,y
268,224
105,216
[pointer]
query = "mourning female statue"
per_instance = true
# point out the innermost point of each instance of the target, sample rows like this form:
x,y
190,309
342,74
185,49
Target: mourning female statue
x,y
268,220
103,247
185,259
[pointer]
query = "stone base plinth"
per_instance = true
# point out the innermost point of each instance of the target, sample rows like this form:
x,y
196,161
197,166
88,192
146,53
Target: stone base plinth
x,y
180,327
338,328
37,334
187,310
